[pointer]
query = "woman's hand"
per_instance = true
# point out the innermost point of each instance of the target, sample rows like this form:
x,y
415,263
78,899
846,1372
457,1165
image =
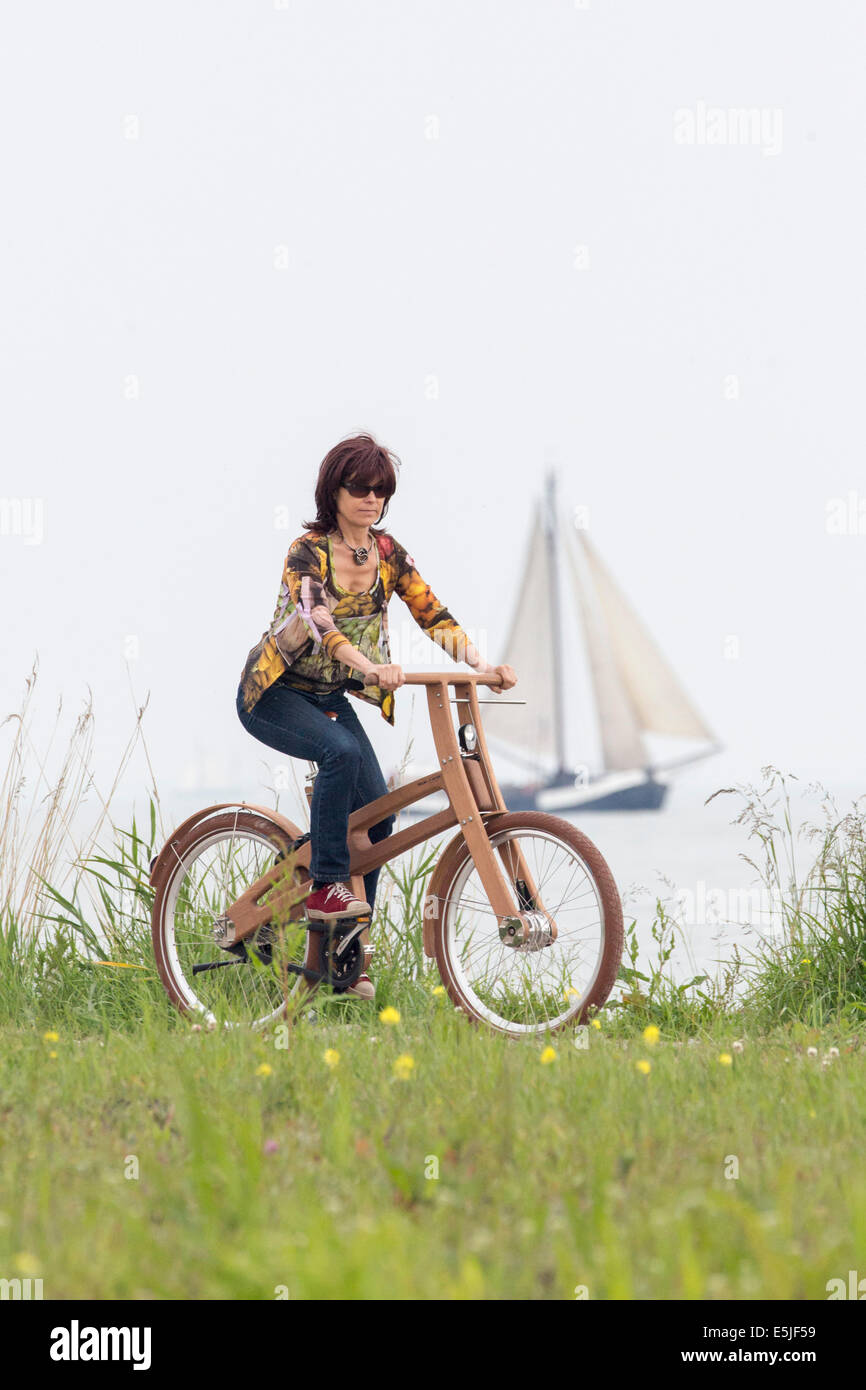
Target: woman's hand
x,y
506,674
386,677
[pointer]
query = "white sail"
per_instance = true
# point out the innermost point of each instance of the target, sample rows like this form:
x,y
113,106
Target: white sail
x,y
634,689
621,743
658,702
529,649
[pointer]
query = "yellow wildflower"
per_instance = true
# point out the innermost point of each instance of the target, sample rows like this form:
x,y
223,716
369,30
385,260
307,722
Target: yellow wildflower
x,y
548,1056
725,1058
389,1015
651,1035
331,1056
438,989
51,1037
644,1066
404,1066
264,1070
595,1023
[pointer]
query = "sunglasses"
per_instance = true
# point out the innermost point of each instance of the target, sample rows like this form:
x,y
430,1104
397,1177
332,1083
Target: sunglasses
x,y
362,489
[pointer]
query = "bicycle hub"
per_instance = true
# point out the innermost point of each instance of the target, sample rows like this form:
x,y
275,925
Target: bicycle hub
x,y
530,931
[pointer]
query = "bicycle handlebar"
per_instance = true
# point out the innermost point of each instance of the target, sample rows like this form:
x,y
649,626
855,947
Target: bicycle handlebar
x,y
434,677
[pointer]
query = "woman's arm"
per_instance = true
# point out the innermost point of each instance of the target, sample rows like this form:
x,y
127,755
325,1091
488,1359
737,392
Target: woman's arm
x,y
434,619
441,627
506,674
430,615
304,583
472,657
388,677
350,656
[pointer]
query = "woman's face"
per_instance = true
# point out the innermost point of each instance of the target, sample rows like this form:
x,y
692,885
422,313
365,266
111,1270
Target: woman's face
x,y
359,511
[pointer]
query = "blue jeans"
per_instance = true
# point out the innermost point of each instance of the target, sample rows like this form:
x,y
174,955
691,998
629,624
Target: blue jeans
x,y
348,777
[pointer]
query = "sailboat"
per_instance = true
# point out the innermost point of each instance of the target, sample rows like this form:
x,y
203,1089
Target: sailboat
x,y
634,690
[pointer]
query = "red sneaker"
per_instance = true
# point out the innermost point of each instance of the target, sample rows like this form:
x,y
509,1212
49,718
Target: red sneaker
x,y
363,988
335,900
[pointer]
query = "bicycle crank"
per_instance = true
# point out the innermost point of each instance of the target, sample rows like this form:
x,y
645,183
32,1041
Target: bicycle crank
x,y
343,960
237,952
341,952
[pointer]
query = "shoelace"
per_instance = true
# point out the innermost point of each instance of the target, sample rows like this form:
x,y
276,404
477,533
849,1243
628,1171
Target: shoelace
x,y
341,891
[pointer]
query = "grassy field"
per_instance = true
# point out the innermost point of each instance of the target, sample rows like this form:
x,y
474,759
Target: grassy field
x,y
170,1163
701,1139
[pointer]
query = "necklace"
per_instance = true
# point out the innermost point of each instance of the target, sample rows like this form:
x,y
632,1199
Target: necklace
x,y
360,552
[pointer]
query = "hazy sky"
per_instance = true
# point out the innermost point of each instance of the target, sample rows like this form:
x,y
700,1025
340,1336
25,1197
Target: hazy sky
x,y
629,236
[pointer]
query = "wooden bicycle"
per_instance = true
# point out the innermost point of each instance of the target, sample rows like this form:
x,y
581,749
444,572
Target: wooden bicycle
x,y
521,914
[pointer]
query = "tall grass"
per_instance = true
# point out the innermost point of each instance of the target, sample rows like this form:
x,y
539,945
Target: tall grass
x,y
812,967
75,910
76,899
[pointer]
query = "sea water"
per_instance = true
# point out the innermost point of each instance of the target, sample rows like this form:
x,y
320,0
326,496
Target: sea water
x,y
693,857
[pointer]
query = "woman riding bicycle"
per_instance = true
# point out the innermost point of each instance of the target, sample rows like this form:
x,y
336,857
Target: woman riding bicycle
x,y
331,619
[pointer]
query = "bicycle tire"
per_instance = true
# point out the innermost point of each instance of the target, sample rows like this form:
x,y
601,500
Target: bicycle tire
x,y
608,896
177,987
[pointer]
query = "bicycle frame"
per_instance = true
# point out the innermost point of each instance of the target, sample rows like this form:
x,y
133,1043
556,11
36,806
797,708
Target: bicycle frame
x,y
473,792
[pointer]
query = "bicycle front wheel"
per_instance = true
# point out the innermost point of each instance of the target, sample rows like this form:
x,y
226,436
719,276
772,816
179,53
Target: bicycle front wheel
x,y
532,989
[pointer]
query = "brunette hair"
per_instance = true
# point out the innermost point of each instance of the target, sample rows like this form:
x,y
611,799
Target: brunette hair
x,y
364,461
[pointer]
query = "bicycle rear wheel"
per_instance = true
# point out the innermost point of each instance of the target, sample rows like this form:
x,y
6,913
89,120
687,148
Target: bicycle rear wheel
x,y
532,989
214,862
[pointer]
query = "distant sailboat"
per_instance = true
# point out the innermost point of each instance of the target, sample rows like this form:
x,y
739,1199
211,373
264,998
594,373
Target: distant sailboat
x,y
634,689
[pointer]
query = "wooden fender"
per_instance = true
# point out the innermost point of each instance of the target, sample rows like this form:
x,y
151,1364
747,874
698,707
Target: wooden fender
x,y
163,861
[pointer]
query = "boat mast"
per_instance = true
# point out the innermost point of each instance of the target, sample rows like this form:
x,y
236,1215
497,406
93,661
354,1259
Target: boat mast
x,y
556,625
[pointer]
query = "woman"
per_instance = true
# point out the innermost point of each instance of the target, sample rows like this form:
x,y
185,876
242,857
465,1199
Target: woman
x,y
331,620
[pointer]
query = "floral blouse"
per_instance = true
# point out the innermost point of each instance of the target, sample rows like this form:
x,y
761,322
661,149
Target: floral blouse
x,y
314,614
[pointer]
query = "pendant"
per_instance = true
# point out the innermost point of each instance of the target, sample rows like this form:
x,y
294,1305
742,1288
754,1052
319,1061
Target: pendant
x,y
361,555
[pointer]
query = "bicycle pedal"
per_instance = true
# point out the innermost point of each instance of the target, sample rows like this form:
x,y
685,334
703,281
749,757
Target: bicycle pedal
x,y
333,925
311,922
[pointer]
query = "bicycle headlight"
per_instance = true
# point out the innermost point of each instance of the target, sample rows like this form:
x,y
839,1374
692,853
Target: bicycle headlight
x,y
468,738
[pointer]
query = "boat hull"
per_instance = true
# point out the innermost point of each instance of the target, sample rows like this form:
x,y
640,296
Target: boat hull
x,y
560,797
642,796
